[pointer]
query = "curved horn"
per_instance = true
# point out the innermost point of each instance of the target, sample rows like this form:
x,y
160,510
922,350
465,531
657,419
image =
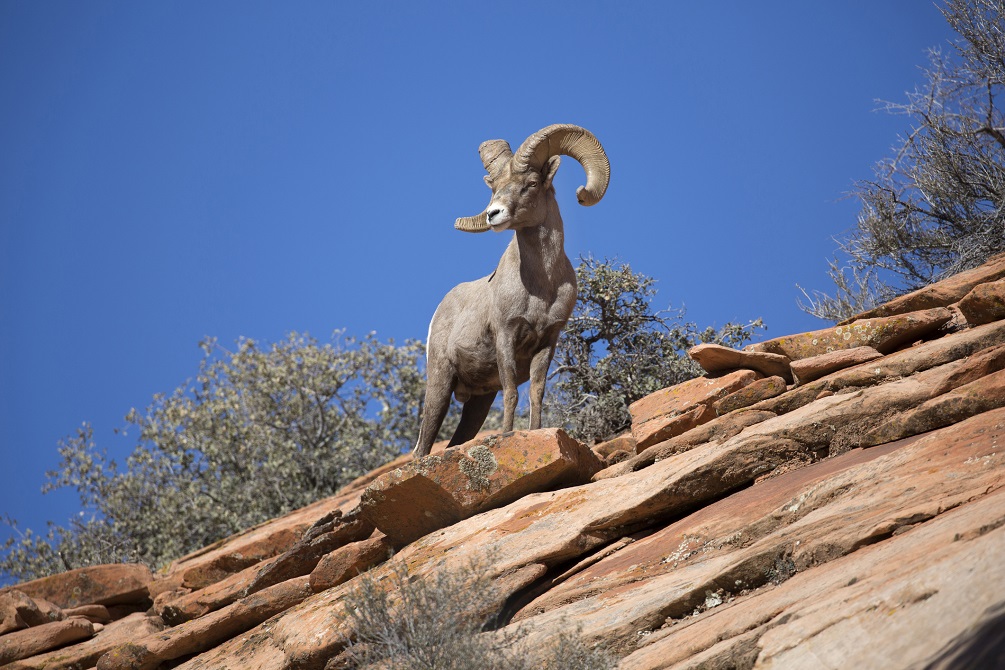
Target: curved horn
x,y
472,224
495,154
574,141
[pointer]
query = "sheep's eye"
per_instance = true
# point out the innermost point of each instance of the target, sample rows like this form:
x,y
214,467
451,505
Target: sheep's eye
x,y
531,184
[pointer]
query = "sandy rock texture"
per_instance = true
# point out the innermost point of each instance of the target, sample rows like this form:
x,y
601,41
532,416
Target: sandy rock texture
x,y
830,499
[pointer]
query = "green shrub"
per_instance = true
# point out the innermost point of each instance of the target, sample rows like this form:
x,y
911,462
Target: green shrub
x,y
260,432
616,349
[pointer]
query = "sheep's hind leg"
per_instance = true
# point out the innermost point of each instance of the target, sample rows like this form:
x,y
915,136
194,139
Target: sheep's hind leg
x,y
433,412
472,417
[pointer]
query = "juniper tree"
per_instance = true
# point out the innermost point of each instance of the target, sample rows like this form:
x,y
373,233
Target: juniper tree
x,y
260,431
934,207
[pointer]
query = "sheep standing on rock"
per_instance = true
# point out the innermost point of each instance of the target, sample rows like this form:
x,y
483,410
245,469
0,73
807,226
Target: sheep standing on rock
x,y
499,331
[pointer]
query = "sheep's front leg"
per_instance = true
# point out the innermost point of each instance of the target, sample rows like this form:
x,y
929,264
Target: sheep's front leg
x,y
507,379
538,376
439,388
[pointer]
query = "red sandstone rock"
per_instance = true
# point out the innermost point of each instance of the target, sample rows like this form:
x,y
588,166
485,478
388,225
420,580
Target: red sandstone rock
x,y
796,522
985,303
18,611
677,409
849,512
963,402
346,562
806,370
226,557
86,654
835,423
303,557
894,604
940,294
717,358
439,490
37,639
332,532
115,584
754,393
674,595
93,613
201,634
885,334
978,342
622,443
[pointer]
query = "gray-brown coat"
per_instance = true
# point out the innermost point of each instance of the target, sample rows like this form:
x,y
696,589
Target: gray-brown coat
x,y
497,332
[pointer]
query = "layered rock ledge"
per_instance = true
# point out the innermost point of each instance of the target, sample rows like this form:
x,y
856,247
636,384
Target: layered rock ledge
x,y
826,499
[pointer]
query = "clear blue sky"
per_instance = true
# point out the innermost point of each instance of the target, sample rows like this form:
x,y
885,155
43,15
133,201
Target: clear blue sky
x,y
174,170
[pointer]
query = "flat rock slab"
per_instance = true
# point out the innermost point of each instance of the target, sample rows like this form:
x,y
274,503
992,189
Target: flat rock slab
x,y
233,554
116,584
86,654
894,604
809,369
884,334
798,522
979,396
717,358
941,294
762,389
984,304
37,639
677,409
441,489
349,561
717,529
191,637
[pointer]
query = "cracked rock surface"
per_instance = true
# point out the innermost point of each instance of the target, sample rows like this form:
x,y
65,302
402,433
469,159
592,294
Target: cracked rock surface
x,y
823,500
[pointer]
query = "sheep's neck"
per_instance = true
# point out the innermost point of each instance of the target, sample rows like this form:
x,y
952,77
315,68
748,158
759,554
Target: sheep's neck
x,y
541,250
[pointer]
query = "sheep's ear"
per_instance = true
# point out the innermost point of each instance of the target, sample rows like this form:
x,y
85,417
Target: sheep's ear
x,y
488,181
550,168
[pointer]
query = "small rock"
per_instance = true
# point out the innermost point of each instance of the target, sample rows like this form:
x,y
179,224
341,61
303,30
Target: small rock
x,y
37,639
985,303
762,389
18,611
86,654
677,409
806,370
346,562
96,614
717,358
622,443
303,557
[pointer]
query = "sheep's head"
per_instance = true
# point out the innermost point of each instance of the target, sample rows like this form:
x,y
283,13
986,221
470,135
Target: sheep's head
x,y
521,182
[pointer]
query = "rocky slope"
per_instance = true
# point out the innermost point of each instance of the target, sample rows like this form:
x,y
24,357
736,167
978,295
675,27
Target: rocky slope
x,y
824,500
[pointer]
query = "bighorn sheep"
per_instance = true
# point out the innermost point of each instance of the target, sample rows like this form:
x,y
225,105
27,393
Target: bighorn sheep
x,y
499,331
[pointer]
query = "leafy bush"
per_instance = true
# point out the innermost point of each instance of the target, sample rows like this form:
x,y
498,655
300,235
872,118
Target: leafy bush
x,y
436,623
616,349
935,207
260,432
